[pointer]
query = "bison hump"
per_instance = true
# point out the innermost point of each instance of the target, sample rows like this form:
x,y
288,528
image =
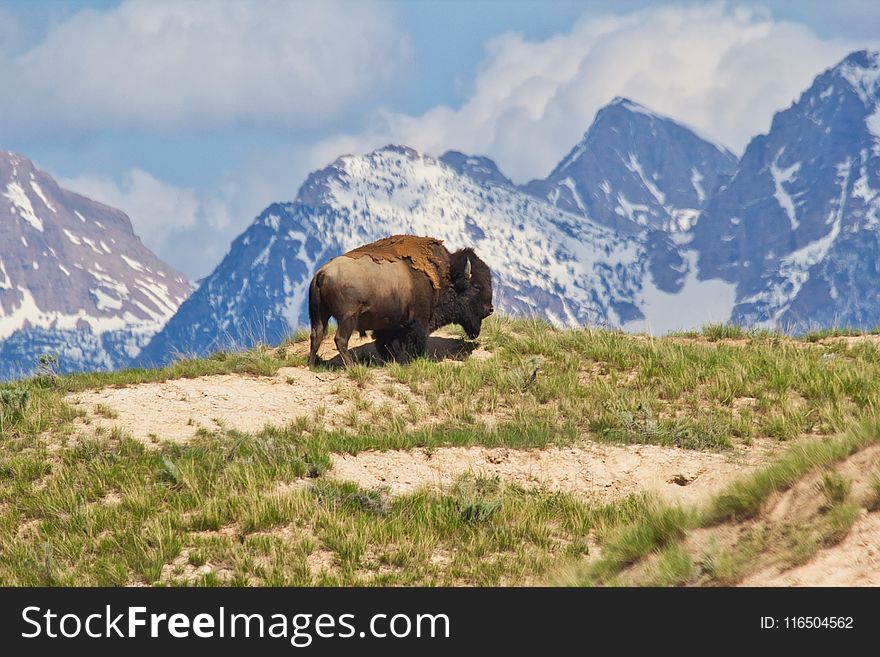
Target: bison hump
x,y
420,251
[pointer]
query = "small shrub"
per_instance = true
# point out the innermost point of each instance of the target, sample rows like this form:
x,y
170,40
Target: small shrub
x,y
477,500
168,473
835,489
13,402
105,411
717,332
350,497
360,374
476,512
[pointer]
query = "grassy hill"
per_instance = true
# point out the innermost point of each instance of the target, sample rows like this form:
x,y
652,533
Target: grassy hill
x,y
537,456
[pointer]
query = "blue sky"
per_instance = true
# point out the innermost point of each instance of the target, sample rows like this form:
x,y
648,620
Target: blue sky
x,y
192,116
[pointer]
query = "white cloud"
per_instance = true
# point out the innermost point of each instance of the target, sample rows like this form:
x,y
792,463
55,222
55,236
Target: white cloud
x,y
163,64
722,70
155,208
164,216
192,228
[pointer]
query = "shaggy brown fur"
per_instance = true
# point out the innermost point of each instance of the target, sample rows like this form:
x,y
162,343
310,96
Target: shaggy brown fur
x,y
403,290
419,251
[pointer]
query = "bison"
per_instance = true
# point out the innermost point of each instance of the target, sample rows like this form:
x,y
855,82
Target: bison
x,y
403,288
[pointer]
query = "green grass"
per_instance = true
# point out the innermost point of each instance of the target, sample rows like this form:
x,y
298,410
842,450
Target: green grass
x,y
816,336
674,567
722,566
743,498
659,528
258,508
724,332
656,527
217,501
835,488
616,387
873,501
259,361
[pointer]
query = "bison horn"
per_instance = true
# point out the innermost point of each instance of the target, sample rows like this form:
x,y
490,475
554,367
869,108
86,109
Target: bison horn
x,y
467,269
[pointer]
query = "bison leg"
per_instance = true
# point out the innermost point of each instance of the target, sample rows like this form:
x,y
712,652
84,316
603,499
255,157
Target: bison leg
x,y
414,342
344,330
319,328
387,343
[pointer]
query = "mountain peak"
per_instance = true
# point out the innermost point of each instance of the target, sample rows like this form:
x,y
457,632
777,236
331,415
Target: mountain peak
x,y
636,169
399,149
477,167
634,107
861,69
74,278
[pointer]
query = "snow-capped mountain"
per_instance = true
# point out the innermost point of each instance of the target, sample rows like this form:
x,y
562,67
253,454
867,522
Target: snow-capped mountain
x,y
643,225
74,278
635,169
545,261
797,227
564,249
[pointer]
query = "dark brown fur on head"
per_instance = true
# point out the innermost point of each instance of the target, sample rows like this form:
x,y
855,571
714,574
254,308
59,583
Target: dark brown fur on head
x,y
469,301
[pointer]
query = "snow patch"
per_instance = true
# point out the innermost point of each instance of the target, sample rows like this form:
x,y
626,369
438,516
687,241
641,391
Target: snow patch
x,y
5,282
569,184
794,269
92,246
134,264
864,80
105,301
633,165
696,304
28,312
696,179
683,220
73,238
39,192
780,177
16,194
628,210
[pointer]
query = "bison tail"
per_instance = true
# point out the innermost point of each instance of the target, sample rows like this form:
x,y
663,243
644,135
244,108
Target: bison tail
x,y
315,299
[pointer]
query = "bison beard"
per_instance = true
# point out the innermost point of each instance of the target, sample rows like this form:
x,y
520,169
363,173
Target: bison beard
x,y
399,300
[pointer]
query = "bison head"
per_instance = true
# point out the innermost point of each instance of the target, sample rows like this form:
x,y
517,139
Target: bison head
x,y
472,280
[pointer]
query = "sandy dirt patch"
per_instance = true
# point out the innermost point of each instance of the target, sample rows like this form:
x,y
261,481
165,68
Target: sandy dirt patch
x,y
607,472
175,410
853,562
852,340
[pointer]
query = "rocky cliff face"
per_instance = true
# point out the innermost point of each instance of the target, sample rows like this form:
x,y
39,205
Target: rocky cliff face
x,y
796,228
74,278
